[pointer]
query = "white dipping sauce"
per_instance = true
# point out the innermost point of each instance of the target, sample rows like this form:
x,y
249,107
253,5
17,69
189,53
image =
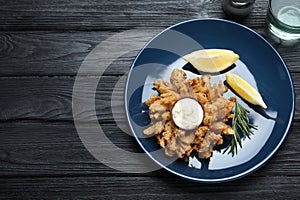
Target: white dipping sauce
x,y
187,113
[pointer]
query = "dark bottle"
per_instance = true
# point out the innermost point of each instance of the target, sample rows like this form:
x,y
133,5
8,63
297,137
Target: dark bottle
x,y
238,8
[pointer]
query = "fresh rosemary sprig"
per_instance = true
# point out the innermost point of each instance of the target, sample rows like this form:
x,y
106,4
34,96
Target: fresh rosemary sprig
x,y
240,123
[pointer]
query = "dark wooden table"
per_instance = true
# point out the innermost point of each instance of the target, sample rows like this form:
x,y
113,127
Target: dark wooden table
x,y
42,46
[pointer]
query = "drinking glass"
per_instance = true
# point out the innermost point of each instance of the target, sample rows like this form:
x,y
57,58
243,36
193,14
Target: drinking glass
x,y
283,19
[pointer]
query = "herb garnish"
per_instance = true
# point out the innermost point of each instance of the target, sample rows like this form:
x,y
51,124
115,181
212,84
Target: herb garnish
x,y
240,123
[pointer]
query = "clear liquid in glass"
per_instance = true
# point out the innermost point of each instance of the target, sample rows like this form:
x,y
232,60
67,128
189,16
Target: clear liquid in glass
x,y
284,19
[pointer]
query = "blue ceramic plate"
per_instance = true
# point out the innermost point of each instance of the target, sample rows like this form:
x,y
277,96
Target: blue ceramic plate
x,y
259,64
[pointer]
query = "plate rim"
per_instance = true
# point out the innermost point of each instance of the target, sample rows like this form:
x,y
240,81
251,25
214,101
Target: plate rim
x,y
256,166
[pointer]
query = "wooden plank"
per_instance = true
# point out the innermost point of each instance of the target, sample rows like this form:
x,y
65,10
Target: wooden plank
x,y
49,149
103,15
55,149
61,54
50,98
130,187
113,15
45,53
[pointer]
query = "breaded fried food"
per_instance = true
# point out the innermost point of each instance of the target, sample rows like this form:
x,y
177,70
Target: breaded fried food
x,y
203,139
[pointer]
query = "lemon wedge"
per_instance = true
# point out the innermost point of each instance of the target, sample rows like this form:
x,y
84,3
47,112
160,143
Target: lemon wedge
x,y
245,90
211,60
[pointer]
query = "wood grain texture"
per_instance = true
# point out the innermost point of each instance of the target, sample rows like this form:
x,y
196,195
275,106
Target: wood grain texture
x,y
61,54
43,44
98,187
50,98
101,15
55,149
